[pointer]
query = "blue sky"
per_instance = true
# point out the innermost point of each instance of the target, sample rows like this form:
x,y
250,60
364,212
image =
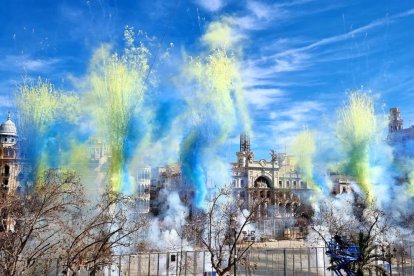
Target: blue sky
x,y
300,58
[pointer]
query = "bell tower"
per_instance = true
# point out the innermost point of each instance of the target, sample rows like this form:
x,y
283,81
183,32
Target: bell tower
x,y
244,142
395,121
245,154
9,166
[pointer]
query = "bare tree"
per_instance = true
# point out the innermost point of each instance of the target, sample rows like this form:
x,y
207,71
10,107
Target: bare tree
x,y
32,220
219,229
97,233
365,226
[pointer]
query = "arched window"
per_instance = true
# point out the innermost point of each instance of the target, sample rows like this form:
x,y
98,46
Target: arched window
x,y
294,184
287,184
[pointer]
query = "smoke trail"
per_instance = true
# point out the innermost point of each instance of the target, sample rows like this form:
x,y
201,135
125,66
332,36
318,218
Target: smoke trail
x,y
117,84
356,129
46,121
216,109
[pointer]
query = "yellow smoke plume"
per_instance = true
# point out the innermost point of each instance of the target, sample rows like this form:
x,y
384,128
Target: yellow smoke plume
x,y
217,80
39,107
117,87
356,129
222,35
303,149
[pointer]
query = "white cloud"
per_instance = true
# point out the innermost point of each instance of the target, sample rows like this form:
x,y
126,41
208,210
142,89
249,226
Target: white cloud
x,y
259,15
289,63
282,56
342,37
261,98
22,63
211,5
288,121
260,10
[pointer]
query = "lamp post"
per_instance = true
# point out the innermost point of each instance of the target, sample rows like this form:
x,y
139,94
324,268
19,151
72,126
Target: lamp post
x,y
235,251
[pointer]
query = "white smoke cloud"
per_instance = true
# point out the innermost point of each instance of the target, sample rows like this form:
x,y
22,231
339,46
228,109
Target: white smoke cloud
x,y
166,232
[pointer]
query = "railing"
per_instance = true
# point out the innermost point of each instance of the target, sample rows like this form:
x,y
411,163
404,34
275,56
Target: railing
x,y
277,261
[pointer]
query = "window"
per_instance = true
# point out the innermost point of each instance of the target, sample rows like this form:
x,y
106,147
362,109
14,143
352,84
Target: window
x,y
294,184
6,170
287,184
241,183
8,152
280,183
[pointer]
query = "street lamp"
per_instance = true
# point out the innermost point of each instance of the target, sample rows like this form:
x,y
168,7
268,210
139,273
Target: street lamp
x,y
235,251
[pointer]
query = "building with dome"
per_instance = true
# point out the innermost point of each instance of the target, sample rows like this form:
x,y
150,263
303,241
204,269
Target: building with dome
x,y
9,163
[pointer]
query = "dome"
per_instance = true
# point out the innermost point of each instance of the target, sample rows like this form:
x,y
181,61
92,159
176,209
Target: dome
x,y
8,127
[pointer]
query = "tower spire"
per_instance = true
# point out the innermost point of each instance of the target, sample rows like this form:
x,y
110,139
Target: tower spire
x,y
244,142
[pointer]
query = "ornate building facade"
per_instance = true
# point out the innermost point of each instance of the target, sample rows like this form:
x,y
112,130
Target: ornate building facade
x,y
276,180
